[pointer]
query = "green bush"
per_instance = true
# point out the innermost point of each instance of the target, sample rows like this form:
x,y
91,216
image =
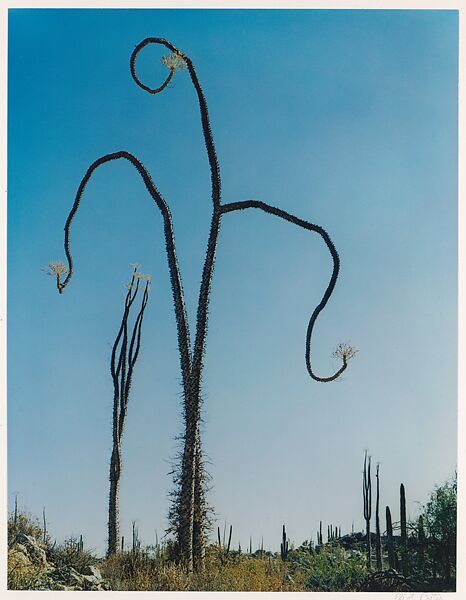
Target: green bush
x,y
328,570
439,517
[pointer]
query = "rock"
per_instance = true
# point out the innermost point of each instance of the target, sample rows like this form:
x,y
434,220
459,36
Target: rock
x,y
28,554
91,582
20,555
32,548
92,570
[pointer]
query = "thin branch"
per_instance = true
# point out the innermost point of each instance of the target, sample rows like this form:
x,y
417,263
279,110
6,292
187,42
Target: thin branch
x,y
236,206
175,279
205,121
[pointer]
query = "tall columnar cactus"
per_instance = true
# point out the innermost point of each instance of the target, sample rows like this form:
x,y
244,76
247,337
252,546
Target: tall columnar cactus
x,y
229,540
367,501
44,527
421,542
390,546
378,545
188,516
284,546
125,353
404,537
320,534
224,547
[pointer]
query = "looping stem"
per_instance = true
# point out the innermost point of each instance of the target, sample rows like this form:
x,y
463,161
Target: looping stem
x,y
134,55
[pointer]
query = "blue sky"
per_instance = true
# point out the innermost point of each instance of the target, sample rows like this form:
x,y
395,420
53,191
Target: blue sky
x,y
345,118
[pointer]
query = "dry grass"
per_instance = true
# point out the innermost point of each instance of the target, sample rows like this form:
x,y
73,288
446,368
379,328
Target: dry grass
x,y
140,572
22,574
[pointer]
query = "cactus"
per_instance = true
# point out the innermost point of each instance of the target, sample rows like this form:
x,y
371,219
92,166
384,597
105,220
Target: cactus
x,y
421,538
404,538
284,548
136,542
44,532
390,547
122,543
15,517
367,499
229,539
378,546
223,546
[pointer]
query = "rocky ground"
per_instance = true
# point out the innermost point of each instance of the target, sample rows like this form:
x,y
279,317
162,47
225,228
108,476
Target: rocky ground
x,y
28,560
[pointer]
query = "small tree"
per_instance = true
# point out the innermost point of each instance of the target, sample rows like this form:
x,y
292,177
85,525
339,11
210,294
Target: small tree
x,y
125,353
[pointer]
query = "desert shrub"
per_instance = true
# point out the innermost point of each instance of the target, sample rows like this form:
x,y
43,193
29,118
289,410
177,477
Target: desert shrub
x,y
328,570
439,517
242,573
141,571
23,523
21,573
130,571
68,554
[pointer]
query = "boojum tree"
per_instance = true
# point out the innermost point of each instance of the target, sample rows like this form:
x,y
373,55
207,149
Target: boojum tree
x,y
189,514
125,352
124,356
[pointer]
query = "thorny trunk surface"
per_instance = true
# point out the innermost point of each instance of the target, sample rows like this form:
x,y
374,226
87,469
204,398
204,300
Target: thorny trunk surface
x,y
200,510
113,504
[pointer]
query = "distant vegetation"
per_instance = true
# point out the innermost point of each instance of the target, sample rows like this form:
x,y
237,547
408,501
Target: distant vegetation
x,y
424,560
